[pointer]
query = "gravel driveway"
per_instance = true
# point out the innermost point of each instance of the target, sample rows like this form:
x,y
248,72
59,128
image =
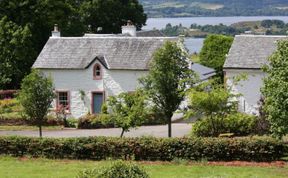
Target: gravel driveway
x,y
178,130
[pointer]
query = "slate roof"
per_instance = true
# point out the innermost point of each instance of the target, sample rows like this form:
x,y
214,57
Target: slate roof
x,y
203,72
132,53
251,51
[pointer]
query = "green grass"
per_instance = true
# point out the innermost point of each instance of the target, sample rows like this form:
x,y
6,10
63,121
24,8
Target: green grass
x,y
195,58
26,127
44,168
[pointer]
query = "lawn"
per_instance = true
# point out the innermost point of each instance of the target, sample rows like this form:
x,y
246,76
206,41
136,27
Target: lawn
x,y
30,168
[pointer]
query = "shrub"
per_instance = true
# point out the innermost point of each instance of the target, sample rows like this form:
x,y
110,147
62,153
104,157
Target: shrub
x,y
9,105
239,124
91,121
146,148
72,122
117,169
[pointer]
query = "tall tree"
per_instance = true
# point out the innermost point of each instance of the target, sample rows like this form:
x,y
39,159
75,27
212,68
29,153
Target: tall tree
x,y
16,53
275,90
112,14
167,81
36,96
214,50
72,16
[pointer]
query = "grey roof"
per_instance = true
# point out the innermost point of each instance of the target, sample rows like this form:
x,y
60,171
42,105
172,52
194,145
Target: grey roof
x,y
251,51
203,72
132,53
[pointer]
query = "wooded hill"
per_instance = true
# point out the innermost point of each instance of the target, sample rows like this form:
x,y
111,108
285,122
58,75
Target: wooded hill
x,y
187,8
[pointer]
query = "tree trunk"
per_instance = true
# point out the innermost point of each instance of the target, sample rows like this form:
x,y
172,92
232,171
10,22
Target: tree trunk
x,y
213,126
40,130
170,125
122,133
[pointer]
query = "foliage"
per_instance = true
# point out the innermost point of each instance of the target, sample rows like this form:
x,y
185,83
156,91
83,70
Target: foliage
x,y
146,148
168,78
237,124
72,123
214,50
16,53
36,96
262,124
275,90
102,14
105,120
270,23
91,121
268,27
176,30
9,105
128,110
212,100
26,26
119,169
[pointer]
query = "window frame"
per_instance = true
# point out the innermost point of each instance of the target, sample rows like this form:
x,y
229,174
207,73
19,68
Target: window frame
x,y
96,77
68,99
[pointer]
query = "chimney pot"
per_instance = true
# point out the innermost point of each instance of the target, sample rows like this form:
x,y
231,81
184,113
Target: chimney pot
x,y
129,29
56,33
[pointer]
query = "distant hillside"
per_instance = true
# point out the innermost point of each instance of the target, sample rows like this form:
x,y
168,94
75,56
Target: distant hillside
x,y
188,8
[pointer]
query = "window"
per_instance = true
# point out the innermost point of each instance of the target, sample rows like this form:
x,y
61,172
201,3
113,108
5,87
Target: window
x,y
63,99
97,72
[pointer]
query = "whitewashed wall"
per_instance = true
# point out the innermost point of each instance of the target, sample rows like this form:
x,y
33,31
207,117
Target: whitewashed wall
x,y
113,82
249,89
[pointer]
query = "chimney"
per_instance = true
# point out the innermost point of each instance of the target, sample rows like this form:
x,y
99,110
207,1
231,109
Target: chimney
x,y
56,32
129,29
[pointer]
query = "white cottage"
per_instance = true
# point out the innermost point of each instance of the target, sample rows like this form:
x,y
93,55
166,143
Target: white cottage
x,y
247,56
86,70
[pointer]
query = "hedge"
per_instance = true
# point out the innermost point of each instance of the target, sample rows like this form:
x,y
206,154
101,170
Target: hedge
x,y
146,148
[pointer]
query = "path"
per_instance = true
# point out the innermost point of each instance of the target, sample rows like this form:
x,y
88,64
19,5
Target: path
x,y
178,130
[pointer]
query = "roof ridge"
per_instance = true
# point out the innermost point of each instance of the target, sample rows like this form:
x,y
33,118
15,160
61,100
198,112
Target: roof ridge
x,y
113,37
266,36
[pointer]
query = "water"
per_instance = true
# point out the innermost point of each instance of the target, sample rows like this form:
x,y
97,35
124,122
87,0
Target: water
x,y
160,23
193,44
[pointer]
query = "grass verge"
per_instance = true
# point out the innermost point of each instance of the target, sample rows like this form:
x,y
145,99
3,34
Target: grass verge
x,y
27,128
11,167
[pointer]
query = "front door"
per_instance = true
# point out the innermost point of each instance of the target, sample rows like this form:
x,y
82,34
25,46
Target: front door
x,y
97,102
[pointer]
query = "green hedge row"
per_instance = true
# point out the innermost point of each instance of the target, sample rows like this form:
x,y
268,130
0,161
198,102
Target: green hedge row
x,y
146,148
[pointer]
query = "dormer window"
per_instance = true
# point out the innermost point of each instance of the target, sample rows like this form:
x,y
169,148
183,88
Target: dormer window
x,y
97,72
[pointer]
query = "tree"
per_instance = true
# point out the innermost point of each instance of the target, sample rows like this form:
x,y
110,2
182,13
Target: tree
x,y
16,53
275,90
110,15
168,79
36,96
212,100
73,18
128,110
214,50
